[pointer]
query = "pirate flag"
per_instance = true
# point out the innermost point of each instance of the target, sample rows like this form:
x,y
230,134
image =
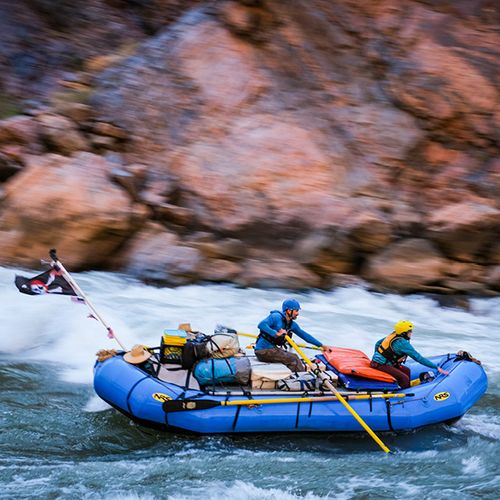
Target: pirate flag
x,y
51,281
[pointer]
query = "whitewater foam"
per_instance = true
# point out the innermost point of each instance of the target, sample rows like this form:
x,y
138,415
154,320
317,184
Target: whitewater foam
x,y
472,465
53,328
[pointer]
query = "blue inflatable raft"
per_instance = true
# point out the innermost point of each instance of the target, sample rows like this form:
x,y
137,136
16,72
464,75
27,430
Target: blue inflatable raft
x,y
153,402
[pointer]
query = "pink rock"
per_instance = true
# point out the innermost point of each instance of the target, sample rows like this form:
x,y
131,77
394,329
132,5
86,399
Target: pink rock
x,y
463,230
290,181
61,134
221,65
69,204
407,265
220,270
21,129
493,278
277,273
156,254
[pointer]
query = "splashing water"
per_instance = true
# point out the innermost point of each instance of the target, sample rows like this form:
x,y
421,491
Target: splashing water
x,y
57,439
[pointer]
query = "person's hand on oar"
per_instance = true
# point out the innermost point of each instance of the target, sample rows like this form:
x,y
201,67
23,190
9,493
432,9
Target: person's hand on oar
x,y
323,348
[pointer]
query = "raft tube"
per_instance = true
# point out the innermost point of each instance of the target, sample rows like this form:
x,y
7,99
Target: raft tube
x,y
140,397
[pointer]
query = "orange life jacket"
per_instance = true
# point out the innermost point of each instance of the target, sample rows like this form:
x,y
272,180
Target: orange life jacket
x,y
385,348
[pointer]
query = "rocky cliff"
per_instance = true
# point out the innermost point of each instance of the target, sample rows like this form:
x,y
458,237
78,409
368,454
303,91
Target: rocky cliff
x,y
273,144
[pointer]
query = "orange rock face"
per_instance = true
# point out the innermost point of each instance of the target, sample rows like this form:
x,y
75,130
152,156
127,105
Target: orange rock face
x,y
68,203
329,140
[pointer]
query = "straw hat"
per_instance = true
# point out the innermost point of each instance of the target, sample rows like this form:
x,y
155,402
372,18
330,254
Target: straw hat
x,y
137,355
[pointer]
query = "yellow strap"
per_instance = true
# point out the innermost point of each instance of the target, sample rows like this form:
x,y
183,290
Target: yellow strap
x,y
339,396
300,345
318,399
247,335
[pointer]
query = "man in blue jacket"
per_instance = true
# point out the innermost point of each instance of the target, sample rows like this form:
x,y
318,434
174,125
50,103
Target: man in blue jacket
x,y
271,343
391,352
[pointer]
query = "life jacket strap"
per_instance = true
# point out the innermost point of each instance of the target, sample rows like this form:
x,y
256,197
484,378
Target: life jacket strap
x,y
277,341
388,351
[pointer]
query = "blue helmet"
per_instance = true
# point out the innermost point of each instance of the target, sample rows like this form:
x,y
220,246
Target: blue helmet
x,y
290,304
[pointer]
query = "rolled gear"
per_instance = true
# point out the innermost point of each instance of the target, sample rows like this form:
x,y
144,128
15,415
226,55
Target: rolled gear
x,y
223,345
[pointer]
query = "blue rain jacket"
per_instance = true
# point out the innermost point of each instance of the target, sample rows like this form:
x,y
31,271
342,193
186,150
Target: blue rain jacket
x,y
276,321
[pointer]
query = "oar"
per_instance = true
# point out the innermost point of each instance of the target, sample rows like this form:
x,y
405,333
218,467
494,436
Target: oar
x,y
330,386
304,346
205,404
56,264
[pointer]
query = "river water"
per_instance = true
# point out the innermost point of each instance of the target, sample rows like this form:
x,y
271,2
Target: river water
x,y
58,440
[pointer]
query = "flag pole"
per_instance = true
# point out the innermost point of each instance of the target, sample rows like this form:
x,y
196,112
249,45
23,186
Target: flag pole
x,y
57,265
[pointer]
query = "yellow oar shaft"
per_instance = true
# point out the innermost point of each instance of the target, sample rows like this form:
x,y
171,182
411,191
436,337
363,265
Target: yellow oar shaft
x,y
339,396
247,335
319,399
300,345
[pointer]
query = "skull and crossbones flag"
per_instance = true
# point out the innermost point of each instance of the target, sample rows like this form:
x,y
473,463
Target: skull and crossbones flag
x,y
51,281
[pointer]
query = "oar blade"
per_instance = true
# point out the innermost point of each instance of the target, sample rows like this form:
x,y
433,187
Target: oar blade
x,y
189,405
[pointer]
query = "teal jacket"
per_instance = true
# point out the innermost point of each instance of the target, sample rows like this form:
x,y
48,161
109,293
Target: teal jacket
x,y
402,347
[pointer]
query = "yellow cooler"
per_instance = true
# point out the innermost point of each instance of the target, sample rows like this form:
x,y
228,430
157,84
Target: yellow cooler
x,y
171,346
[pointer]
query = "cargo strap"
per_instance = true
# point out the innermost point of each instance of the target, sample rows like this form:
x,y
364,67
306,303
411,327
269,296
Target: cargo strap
x,y
246,393
388,408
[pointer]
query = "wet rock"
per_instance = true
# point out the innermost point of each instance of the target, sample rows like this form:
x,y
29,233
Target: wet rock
x,y
494,253
468,287
326,254
128,180
69,204
382,133
14,153
493,278
408,265
18,129
43,41
101,143
463,230
452,301
157,255
351,127
277,273
246,19
76,111
345,280
173,214
61,134
462,87
222,67
277,194
407,221
220,270
8,167
228,248
110,130
370,231
99,63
